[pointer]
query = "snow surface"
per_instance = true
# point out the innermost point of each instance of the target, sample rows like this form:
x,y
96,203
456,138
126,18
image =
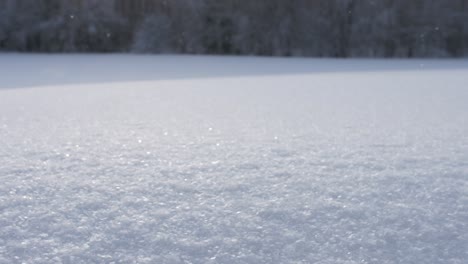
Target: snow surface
x,y
324,161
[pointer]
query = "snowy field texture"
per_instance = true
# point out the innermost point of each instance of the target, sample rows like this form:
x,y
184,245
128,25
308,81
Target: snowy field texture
x,y
167,159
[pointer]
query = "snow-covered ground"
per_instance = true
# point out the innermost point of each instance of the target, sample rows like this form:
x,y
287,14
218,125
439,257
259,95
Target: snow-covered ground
x,y
160,159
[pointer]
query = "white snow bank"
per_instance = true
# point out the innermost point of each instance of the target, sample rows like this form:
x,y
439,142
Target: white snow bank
x,y
348,167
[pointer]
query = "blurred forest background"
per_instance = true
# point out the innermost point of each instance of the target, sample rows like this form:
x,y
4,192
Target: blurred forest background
x,y
318,28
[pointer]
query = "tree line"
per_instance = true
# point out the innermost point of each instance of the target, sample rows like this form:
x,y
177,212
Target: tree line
x,y
318,28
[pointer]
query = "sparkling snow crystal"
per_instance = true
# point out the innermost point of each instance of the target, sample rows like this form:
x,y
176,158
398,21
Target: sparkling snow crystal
x,y
336,167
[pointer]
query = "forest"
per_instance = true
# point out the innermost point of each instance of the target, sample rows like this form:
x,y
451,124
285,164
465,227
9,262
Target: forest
x,y
312,28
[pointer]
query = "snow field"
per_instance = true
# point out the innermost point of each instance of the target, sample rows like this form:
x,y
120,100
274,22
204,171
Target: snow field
x,y
334,167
